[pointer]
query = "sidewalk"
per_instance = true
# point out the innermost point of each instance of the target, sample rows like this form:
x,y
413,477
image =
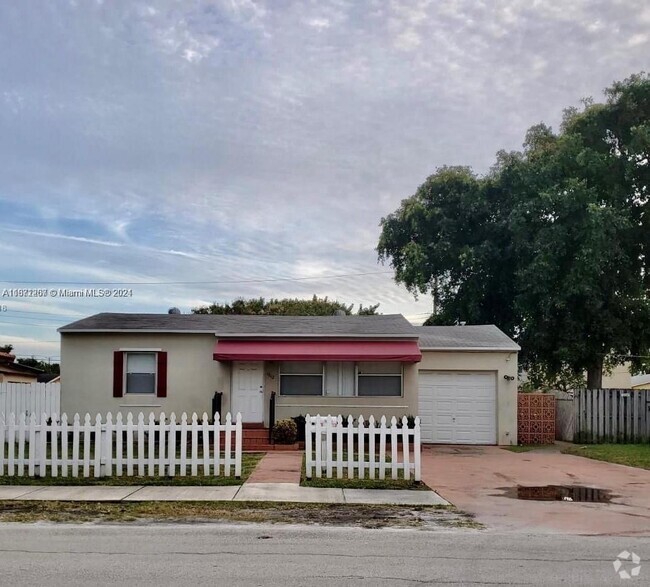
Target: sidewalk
x,y
280,492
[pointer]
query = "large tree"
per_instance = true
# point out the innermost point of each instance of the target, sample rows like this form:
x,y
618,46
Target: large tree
x,y
286,307
551,245
44,366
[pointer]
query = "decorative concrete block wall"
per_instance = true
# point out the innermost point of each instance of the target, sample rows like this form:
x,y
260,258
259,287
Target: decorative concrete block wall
x,y
536,418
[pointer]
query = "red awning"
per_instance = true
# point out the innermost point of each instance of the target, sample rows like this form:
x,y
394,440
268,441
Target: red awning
x,y
309,350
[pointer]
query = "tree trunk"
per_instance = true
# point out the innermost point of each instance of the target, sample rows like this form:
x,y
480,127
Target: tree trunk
x,y
595,375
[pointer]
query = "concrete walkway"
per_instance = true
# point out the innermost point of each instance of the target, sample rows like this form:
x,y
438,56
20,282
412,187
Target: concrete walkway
x,y
278,467
281,492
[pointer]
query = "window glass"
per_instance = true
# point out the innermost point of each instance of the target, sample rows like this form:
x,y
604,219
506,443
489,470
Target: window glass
x,y
301,367
379,385
140,372
301,385
388,367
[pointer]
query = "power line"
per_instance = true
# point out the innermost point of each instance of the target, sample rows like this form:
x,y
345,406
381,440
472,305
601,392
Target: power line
x,y
269,280
30,324
44,313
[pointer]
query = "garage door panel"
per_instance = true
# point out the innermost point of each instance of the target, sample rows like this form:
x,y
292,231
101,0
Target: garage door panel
x,y
457,407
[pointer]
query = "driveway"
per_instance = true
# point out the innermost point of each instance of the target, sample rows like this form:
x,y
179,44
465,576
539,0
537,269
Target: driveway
x,y
476,479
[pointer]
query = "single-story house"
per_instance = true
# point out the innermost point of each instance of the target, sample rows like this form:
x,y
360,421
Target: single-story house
x,y
12,372
640,381
460,380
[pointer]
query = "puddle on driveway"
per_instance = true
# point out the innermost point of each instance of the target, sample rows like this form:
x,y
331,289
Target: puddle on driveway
x,y
559,493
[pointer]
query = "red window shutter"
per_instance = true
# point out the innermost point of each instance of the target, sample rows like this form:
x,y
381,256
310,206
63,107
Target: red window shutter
x,y
161,390
118,374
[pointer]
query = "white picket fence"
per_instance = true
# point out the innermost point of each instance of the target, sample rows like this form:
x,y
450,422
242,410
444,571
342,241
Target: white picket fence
x,y
110,446
360,451
30,398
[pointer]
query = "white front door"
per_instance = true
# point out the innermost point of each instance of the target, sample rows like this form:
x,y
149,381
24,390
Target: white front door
x,y
248,391
458,407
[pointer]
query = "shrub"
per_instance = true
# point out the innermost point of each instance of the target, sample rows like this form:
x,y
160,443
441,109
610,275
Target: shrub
x,y
410,421
300,423
285,432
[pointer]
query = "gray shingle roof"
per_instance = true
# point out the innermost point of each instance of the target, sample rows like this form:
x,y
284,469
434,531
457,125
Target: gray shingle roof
x,y
390,326
345,326
463,337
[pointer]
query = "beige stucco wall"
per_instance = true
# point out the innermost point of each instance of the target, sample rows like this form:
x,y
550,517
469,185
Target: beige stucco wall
x,y
502,364
15,378
619,378
193,376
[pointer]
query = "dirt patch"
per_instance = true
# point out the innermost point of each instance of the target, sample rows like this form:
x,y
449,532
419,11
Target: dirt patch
x,y
366,516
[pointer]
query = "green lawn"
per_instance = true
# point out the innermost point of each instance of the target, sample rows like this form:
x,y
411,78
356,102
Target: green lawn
x,y
249,462
633,455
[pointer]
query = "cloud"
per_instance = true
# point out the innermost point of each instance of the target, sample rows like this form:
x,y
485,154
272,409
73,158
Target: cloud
x,y
234,140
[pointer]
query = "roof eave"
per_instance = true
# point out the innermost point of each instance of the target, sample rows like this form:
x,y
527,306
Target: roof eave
x,y
474,349
231,335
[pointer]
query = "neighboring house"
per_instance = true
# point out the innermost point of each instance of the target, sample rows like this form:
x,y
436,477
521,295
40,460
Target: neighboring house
x,y
12,372
461,380
640,382
619,378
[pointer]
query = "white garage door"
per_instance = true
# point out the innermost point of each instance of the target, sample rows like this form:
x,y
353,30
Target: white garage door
x,y
458,407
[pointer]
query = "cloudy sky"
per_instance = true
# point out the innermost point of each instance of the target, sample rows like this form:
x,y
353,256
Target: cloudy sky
x,y
251,147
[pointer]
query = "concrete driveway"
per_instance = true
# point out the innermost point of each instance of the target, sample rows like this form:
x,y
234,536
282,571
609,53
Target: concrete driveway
x,y
475,479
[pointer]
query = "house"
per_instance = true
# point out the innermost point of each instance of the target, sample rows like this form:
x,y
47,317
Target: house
x,y
12,372
640,381
461,380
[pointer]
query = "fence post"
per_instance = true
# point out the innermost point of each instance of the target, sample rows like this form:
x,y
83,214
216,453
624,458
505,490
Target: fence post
x,y
54,446
405,448
107,444
98,446
205,434
162,442
238,445
371,447
328,447
227,445
2,442
308,449
361,450
382,448
416,449
171,444
318,446
393,447
151,441
217,443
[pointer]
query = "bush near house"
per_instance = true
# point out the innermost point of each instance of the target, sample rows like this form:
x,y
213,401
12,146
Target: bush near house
x,y
285,432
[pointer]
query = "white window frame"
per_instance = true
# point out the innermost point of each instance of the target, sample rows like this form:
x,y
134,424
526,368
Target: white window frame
x,y
125,380
322,376
357,374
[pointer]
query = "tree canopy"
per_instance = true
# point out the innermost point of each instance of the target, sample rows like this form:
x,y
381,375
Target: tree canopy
x,y
551,245
286,307
44,366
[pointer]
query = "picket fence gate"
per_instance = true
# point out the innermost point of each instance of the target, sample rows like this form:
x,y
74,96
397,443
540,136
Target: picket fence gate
x,y
30,398
116,446
361,451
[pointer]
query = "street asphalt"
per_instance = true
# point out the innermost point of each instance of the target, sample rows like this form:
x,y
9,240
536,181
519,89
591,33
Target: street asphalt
x,y
234,555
